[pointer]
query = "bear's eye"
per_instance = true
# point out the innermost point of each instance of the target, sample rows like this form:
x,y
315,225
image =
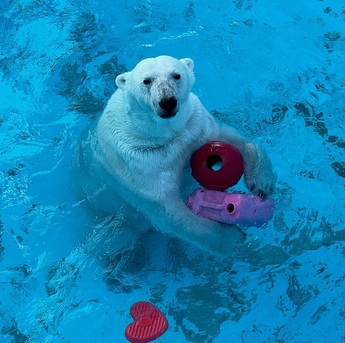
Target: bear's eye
x,y
176,76
147,81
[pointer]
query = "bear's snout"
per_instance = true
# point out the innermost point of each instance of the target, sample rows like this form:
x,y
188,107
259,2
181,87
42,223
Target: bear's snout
x,y
168,105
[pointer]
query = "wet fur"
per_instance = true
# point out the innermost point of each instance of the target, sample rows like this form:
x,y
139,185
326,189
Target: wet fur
x,y
134,157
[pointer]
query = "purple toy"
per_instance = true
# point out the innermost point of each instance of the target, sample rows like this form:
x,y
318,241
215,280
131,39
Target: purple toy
x,y
231,208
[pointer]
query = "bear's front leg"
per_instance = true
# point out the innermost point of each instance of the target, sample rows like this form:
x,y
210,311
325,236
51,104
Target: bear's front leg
x,y
259,176
174,217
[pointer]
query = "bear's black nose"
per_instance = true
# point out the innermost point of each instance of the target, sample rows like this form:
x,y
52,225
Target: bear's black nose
x,y
168,104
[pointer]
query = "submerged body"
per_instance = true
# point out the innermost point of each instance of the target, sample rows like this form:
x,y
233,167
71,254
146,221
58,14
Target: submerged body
x,y
138,154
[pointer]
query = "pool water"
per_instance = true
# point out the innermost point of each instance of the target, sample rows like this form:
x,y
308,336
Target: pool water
x,y
273,70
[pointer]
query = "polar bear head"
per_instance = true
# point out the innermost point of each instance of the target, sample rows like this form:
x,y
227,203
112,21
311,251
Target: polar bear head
x,y
158,85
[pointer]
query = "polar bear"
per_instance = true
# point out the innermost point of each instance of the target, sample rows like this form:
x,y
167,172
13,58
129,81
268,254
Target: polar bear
x,y
138,153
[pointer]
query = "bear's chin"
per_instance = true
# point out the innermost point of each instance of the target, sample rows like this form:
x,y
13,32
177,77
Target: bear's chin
x,y
167,115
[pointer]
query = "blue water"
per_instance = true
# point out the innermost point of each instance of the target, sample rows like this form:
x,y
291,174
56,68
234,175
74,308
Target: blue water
x,y
274,70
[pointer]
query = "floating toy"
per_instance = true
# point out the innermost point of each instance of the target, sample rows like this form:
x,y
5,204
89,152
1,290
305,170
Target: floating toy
x,y
231,208
149,323
217,165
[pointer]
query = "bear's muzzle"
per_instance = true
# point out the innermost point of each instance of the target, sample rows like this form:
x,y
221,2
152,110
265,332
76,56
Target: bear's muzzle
x,y
168,107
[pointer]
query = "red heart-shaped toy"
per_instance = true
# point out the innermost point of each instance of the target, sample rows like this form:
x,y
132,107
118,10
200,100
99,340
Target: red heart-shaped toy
x,y
149,323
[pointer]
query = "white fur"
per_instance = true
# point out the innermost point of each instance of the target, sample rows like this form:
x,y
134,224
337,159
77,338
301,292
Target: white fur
x,y
136,155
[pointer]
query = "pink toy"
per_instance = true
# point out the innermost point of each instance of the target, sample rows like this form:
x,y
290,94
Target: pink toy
x,y
217,165
231,208
149,323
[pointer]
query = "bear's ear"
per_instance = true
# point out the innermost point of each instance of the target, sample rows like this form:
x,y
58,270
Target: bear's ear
x,y
122,80
188,62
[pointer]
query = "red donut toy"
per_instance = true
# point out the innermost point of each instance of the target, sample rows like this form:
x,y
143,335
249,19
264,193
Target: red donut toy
x,y
217,165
